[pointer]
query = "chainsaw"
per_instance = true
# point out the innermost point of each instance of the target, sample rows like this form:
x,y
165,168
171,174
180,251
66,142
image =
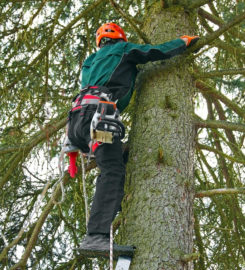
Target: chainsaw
x,y
106,124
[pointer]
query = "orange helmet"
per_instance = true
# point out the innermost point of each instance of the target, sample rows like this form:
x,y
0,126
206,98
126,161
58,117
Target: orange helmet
x,y
110,30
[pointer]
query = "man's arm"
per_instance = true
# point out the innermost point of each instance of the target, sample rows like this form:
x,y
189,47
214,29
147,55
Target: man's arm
x,y
141,54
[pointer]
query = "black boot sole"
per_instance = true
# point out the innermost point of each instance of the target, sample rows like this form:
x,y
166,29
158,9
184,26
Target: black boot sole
x,y
127,251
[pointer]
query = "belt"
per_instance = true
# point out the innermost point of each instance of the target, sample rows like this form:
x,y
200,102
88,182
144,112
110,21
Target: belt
x,y
90,99
99,88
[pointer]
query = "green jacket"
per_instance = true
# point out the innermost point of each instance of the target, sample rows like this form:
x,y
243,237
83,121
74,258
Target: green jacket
x,y
114,66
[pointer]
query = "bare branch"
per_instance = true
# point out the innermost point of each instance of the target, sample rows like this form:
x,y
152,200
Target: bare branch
x,y
190,257
220,73
220,191
200,123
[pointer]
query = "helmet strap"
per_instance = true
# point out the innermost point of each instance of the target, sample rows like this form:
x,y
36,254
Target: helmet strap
x,y
109,41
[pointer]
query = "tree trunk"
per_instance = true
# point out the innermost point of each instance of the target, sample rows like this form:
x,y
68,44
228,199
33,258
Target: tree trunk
x,y
157,214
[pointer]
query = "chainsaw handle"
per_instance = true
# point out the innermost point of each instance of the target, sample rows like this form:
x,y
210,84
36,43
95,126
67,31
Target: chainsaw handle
x,y
115,123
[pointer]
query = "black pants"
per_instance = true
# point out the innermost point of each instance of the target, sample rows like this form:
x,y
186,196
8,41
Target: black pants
x,y
110,183
109,187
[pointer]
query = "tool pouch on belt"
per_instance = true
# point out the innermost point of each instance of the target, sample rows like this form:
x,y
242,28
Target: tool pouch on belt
x,y
80,117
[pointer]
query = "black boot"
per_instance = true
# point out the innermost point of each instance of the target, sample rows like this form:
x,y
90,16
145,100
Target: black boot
x,y
98,245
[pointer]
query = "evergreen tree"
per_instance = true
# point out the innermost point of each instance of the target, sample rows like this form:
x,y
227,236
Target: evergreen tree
x,y
184,192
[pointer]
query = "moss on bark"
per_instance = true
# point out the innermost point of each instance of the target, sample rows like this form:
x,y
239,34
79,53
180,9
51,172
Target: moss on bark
x,y
157,214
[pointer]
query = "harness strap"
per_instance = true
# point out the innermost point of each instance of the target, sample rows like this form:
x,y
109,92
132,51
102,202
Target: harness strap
x,y
95,146
76,108
90,99
100,88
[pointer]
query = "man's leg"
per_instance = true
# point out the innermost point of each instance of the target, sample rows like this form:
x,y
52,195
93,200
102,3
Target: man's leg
x,y
106,203
109,187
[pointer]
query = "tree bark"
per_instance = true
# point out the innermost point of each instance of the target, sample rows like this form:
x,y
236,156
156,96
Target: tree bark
x,y
157,214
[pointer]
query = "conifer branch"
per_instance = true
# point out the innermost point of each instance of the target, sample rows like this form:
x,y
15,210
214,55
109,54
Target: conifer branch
x,y
207,89
26,1
232,49
229,133
200,123
211,149
24,150
131,21
218,21
214,35
198,3
199,242
34,236
236,51
52,42
220,191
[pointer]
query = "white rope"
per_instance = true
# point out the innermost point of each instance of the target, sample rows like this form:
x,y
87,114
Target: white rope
x,y
84,189
111,247
61,165
90,151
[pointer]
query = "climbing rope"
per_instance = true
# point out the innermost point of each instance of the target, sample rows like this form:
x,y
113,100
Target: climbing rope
x,y
111,247
84,189
61,166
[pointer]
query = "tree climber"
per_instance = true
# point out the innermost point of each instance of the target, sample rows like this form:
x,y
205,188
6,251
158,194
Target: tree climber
x,y
109,75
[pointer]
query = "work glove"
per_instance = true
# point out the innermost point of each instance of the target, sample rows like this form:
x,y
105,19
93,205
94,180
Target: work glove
x,y
190,41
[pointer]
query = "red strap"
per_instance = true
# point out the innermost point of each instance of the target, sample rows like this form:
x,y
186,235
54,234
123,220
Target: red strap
x,y
95,146
76,108
90,97
77,100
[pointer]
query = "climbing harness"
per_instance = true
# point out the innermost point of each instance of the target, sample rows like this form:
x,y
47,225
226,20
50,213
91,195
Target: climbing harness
x,y
106,123
92,112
